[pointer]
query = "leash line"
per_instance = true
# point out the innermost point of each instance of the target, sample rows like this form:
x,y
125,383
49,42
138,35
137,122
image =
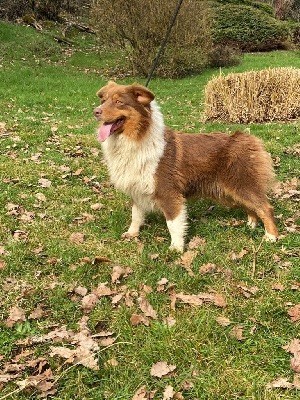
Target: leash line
x,y
164,43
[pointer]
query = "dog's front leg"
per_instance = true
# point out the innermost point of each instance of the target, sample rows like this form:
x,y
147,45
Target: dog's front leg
x,y
177,228
137,220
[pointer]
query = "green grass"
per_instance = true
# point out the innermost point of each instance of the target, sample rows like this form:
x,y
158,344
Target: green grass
x,y
46,101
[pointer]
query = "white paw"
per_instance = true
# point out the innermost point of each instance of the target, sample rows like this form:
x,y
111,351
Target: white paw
x,y
178,248
251,223
270,238
130,235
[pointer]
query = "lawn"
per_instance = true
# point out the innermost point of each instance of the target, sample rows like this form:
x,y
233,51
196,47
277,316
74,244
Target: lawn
x,y
87,315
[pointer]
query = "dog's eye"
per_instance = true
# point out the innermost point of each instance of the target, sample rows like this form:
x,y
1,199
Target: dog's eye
x,y
119,103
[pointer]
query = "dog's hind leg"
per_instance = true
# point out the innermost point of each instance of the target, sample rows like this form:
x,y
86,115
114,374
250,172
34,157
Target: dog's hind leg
x,y
252,219
259,206
137,220
266,214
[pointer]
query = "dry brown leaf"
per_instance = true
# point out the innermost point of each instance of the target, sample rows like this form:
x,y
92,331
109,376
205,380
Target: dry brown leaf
x,y
161,284
186,261
37,313
208,268
89,301
77,237
248,291
43,382
112,362
238,256
294,313
294,348
191,299
2,264
281,383
81,290
119,272
100,260
223,321
168,393
170,321
137,319
146,308
196,242
278,286
142,394
45,183
237,332
16,314
161,369
102,290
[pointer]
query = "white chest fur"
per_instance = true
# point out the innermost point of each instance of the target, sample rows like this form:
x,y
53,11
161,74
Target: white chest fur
x,y
132,164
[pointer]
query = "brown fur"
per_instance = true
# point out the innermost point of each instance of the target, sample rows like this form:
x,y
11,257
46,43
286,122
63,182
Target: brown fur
x,y
234,170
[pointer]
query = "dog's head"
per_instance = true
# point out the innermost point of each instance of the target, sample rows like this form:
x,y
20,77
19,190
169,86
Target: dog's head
x,y
124,109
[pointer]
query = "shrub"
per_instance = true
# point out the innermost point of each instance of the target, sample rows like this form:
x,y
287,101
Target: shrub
x,y
224,56
255,96
140,27
248,28
295,33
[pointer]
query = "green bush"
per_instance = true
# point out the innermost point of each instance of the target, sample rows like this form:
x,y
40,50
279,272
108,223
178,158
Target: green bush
x,y
267,8
295,33
249,28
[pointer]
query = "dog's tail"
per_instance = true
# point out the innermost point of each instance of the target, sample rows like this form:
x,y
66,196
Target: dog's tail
x,y
250,163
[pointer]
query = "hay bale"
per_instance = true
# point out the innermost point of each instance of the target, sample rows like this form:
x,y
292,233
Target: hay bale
x,y
255,96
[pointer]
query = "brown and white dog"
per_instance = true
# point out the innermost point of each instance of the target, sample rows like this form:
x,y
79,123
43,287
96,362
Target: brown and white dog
x,y
160,168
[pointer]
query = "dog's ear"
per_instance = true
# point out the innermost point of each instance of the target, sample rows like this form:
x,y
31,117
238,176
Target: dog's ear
x,y
142,94
102,91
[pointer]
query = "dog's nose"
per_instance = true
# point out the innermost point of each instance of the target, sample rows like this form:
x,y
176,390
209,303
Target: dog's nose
x,y
97,112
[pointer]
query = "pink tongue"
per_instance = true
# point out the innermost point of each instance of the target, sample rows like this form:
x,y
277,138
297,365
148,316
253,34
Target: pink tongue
x,y
104,132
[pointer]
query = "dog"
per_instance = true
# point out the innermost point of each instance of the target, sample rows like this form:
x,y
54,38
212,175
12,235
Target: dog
x,y
160,168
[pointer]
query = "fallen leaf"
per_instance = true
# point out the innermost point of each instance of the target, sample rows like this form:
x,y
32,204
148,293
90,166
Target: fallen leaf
x,y
82,291
112,362
208,268
294,348
77,237
196,242
168,393
119,272
2,264
45,183
238,256
137,319
16,314
282,383
294,313
101,259
141,394
161,369
186,261
37,313
102,290
248,291
96,206
223,321
40,197
89,301
146,308
237,332
170,321
161,284
278,286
